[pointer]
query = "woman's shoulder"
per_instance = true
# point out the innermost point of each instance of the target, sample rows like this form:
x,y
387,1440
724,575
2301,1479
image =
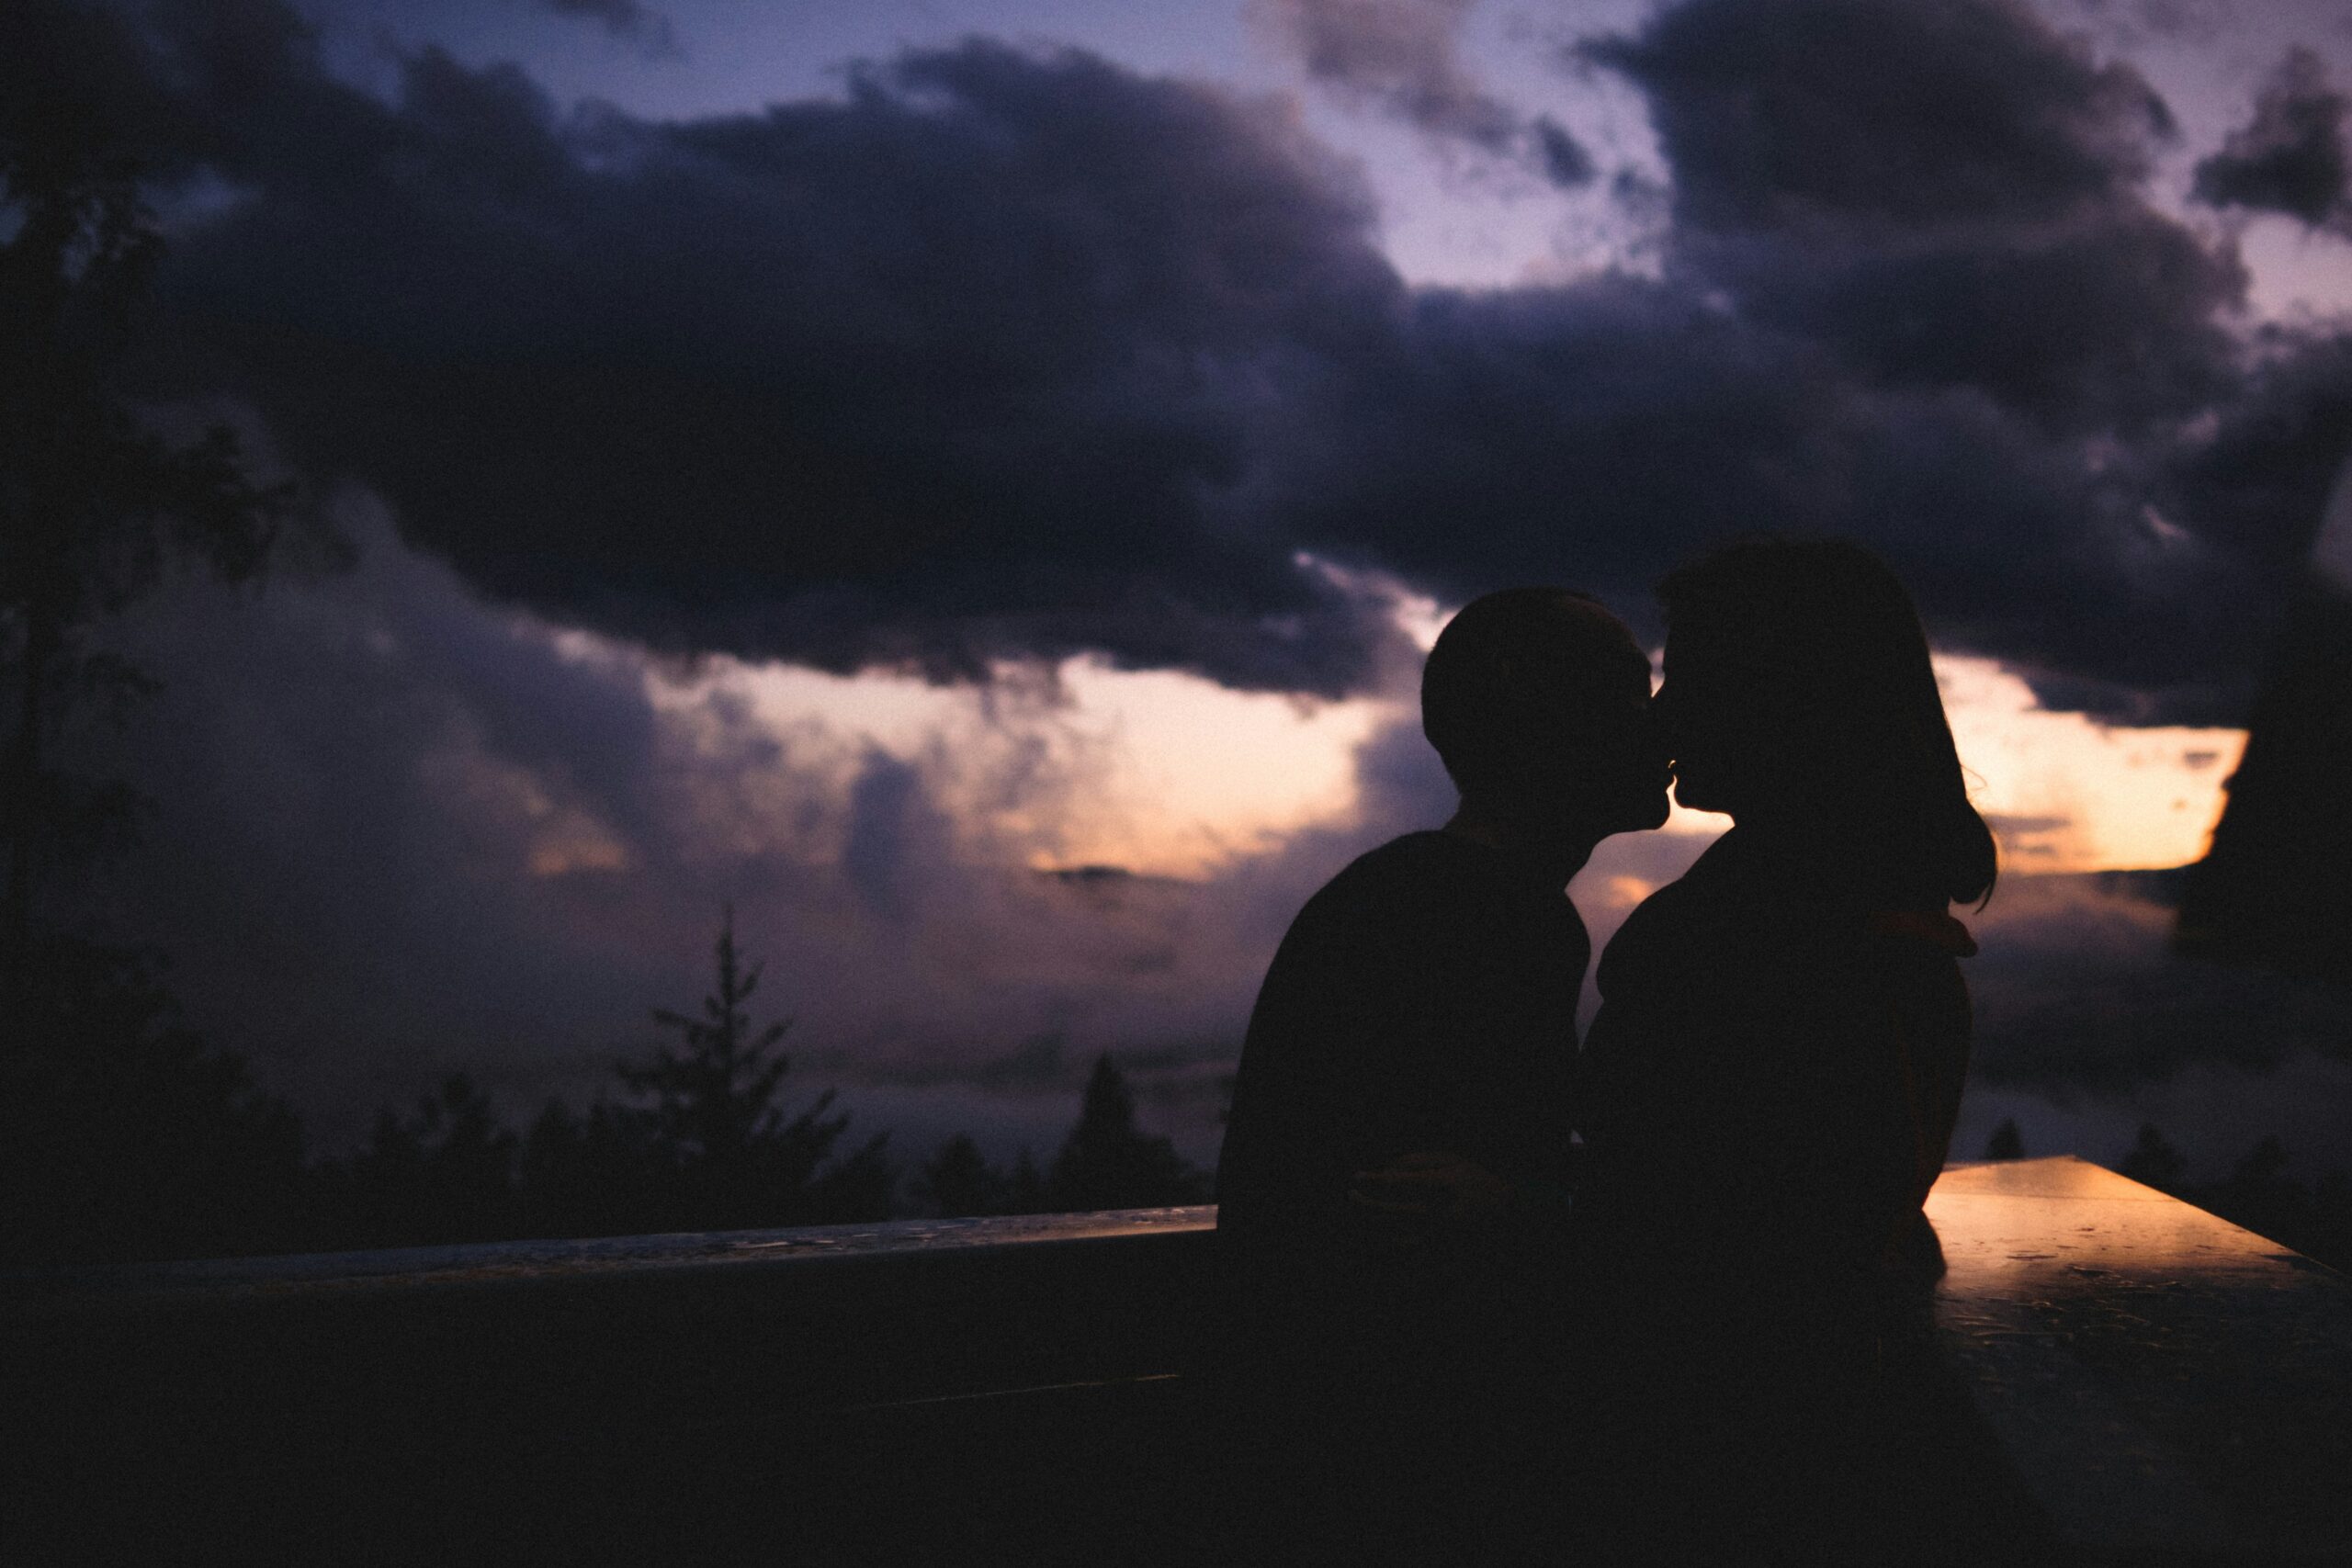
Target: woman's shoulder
x,y
1735,909
1662,931
1717,887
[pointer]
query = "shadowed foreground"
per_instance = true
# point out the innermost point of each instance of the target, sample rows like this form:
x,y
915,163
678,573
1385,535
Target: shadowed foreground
x,y
2111,1376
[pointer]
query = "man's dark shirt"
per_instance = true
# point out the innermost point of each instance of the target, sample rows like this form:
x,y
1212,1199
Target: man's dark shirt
x,y
1424,999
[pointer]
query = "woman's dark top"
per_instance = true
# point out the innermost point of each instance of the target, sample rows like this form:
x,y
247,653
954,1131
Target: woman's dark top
x,y
1424,999
1769,1088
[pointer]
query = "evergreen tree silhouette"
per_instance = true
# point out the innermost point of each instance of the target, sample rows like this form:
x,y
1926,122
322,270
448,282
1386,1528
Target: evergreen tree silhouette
x,y
860,1186
1025,1190
2329,1239
1108,1163
2153,1162
728,1155
2262,1197
958,1180
2007,1142
715,1096
597,1174
444,1174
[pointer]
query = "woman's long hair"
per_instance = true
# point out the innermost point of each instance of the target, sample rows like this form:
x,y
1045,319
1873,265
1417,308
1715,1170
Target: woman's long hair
x,y
1860,744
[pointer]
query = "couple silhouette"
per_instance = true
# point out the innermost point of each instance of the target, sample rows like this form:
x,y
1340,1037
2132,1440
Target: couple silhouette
x,y
1485,1289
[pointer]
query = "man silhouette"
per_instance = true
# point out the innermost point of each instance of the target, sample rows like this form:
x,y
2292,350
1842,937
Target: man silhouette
x,y
1422,1008
1424,1001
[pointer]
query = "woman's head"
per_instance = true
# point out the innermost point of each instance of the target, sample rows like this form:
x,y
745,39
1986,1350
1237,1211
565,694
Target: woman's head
x,y
1799,694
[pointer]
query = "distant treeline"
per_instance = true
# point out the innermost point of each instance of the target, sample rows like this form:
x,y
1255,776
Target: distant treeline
x,y
124,1135
2312,1218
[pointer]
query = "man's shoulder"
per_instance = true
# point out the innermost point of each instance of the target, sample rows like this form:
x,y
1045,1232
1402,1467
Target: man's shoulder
x,y
1384,891
1410,871
1408,856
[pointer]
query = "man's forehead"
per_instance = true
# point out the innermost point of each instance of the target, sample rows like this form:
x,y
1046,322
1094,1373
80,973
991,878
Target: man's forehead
x,y
1598,665
1592,615
1572,644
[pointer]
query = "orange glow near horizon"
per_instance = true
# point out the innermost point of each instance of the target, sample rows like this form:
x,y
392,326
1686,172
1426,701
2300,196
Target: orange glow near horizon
x,y
2076,794
1156,770
1171,775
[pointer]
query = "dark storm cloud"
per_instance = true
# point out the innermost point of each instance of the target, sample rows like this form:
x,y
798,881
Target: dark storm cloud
x,y
355,779
397,831
1944,190
622,18
1595,433
2077,993
2291,156
963,368
1565,161
1909,114
895,833
1399,56
348,777
2030,362
1011,355
1402,58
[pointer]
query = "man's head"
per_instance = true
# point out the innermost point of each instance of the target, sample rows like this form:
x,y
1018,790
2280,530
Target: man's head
x,y
1537,700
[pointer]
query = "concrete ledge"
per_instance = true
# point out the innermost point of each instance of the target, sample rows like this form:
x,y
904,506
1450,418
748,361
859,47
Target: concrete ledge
x,y
2167,1385
29,1296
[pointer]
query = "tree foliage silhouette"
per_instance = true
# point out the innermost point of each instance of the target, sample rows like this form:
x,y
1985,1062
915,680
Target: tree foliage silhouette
x,y
2006,1143
92,503
1026,1192
444,1173
597,1173
958,1180
1108,1163
714,1097
125,1134
2259,1194
2153,1162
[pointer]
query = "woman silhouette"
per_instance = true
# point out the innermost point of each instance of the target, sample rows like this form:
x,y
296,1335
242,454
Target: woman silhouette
x,y
1767,1093
1769,1089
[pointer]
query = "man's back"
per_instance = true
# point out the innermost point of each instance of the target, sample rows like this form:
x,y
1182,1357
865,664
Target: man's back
x,y
1424,999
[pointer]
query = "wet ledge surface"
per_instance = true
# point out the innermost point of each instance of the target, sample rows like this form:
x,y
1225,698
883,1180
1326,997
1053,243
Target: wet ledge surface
x,y
2163,1382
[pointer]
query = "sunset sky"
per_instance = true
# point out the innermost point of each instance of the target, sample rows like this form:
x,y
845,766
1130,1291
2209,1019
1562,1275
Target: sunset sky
x,y
857,460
